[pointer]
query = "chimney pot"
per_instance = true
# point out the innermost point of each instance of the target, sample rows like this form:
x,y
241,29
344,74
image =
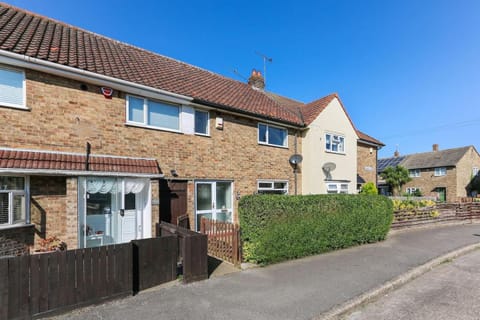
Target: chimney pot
x,y
256,80
396,154
435,147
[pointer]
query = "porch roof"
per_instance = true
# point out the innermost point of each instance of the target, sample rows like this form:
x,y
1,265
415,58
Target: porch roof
x,y
40,161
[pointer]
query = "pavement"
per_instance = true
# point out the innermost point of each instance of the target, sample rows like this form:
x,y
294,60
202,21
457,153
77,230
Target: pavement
x,y
325,286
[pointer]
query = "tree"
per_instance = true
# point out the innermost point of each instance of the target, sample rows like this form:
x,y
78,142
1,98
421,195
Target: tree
x,y
396,177
369,188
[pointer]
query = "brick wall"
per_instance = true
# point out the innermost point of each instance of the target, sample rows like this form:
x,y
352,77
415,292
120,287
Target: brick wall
x,y
65,117
367,162
428,182
16,241
465,167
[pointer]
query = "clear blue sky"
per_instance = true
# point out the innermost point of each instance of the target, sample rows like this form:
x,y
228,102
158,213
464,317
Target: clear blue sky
x,y
408,72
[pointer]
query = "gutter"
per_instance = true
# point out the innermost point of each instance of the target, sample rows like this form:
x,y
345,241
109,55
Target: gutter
x,y
78,173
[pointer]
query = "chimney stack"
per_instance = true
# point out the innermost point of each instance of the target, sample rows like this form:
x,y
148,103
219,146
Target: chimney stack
x,y
396,154
435,147
256,80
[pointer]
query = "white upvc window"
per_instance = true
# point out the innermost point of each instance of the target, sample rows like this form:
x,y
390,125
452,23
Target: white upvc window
x,y
414,173
337,187
12,88
441,171
272,135
202,120
13,200
153,114
272,187
474,171
334,143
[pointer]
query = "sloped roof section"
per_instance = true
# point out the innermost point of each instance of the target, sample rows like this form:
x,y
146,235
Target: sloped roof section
x,y
58,161
365,137
443,158
39,37
312,110
384,163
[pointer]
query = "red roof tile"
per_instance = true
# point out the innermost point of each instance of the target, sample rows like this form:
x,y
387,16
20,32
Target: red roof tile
x,y
45,160
367,138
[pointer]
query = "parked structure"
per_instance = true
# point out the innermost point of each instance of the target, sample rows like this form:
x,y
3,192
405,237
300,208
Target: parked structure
x,y
444,174
102,139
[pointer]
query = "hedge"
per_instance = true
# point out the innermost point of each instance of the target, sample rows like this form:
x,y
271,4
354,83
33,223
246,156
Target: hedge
x,y
277,228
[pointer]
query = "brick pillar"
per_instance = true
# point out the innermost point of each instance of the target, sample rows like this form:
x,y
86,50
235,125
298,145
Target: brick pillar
x,y
72,213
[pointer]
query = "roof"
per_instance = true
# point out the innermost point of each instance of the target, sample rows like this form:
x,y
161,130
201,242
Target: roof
x,y
58,161
43,38
369,139
433,159
32,35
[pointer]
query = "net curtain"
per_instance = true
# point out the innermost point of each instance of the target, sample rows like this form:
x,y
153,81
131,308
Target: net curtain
x,y
110,185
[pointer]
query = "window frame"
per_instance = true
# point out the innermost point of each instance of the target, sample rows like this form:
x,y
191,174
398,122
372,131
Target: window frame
x,y
272,189
267,143
412,190
11,193
414,173
207,134
145,124
340,187
331,143
23,106
475,171
440,171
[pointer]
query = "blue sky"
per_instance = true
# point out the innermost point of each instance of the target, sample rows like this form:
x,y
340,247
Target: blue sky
x,y
408,72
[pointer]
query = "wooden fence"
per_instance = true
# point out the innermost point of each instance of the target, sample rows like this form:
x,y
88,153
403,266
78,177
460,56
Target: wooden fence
x,y
42,284
223,240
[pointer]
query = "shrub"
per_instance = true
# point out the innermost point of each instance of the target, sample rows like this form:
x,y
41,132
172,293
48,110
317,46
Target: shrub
x,y
369,188
277,228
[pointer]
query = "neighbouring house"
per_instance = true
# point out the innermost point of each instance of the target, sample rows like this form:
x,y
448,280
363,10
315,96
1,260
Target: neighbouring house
x,y
367,157
101,139
443,174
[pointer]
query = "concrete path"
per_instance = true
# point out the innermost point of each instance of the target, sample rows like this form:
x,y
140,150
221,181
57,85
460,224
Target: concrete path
x,y
301,289
449,291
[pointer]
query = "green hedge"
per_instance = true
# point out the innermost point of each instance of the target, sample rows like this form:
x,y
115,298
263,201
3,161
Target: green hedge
x,y
276,228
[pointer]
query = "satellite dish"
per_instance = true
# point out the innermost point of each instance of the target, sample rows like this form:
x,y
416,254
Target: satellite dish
x,y
295,159
328,168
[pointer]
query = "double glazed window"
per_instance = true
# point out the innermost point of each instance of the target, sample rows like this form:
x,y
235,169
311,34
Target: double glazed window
x,y
13,208
334,143
271,135
166,116
337,187
414,173
272,187
12,88
440,171
153,113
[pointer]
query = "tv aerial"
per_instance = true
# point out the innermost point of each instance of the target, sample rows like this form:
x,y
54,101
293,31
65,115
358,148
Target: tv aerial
x,y
265,60
328,168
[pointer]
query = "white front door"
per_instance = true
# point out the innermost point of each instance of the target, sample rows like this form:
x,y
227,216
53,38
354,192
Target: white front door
x,y
213,201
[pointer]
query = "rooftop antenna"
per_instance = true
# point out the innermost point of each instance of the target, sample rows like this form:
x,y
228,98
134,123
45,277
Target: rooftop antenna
x,y
265,59
239,74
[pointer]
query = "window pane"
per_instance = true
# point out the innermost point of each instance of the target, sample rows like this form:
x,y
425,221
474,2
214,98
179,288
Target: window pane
x,y
276,136
201,122
280,185
135,109
262,133
12,183
3,208
18,208
341,145
204,197
163,115
328,140
264,184
11,87
224,195
130,201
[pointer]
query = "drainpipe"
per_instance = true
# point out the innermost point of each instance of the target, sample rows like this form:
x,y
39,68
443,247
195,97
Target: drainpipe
x,y
87,158
296,166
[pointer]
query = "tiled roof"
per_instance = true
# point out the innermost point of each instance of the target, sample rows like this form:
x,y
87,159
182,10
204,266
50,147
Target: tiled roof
x,y
311,111
384,163
57,161
39,37
370,139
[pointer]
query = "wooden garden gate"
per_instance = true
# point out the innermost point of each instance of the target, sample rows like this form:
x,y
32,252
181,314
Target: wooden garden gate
x,y
223,240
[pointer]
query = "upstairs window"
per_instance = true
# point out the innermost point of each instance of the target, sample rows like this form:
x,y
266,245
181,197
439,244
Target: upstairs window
x,y
271,135
201,122
440,171
272,187
414,173
12,200
12,88
153,114
334,143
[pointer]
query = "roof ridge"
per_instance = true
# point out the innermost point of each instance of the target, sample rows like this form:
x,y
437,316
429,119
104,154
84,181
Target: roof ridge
x,y
64,24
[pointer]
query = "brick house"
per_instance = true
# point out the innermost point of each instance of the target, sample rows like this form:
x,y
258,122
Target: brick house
x,y
102,139
444,174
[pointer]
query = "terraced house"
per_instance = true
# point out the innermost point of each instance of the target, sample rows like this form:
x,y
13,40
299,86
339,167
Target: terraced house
x,y
101,139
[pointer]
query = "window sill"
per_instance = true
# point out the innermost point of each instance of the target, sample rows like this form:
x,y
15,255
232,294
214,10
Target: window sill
x,y
22,108
272,145
138,125
334,152
16,226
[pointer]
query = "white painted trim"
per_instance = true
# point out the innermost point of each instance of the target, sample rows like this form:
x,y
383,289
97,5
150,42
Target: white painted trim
x,y
77,173
268,143
24,90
